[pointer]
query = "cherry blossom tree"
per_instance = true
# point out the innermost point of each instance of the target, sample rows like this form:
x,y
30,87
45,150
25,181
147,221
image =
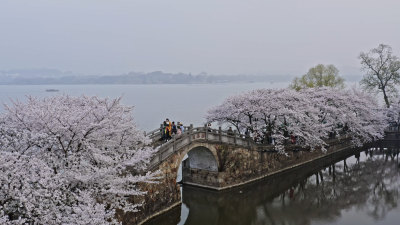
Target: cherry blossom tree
x,y
70,160
271,113
351,112
310,115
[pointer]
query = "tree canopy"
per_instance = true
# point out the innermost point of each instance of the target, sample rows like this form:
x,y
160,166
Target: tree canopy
x,y
70,160
319,76
381,71
312,115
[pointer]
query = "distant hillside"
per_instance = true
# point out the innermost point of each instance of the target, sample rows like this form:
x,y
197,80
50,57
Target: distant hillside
x,y
51,76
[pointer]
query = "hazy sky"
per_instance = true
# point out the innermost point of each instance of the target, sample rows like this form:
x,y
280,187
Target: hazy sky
x,y
214,36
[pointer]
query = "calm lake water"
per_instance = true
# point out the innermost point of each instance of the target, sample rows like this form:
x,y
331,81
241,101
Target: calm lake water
x,y
359,190
187,103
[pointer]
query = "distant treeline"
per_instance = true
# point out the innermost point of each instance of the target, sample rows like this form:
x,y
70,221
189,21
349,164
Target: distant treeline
x,y
51,76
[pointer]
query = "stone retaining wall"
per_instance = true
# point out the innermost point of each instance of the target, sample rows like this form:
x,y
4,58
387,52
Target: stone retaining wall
x,y
239,165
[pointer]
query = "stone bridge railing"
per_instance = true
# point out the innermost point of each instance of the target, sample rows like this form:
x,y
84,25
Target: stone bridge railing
x,y
195,134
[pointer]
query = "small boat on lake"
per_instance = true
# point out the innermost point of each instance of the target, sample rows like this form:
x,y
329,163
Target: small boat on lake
x,y
52,90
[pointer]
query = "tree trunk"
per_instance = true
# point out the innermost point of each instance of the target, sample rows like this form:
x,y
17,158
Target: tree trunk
x,y
386,98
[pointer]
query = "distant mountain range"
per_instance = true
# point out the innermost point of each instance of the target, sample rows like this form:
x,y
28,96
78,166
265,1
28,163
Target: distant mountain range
x,y
53,76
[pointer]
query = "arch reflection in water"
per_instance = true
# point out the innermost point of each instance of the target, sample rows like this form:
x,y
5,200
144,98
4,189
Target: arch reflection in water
x,y
361,189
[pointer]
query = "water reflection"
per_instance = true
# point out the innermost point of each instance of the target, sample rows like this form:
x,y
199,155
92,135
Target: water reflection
x,y
361,189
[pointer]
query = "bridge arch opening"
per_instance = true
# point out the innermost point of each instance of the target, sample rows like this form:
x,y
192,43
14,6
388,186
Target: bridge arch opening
x,y
200,158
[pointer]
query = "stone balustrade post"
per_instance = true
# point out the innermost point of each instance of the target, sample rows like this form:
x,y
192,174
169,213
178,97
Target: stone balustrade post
x,y
220,133
206,128
190,133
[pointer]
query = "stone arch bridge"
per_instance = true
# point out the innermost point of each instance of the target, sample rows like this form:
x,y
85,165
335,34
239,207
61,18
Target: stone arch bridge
x,y
216,160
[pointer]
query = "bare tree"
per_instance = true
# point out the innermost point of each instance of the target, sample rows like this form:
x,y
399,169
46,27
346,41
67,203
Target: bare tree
x,y
382,71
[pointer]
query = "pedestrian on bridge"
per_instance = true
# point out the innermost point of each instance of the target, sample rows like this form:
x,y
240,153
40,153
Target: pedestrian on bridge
x,y
174,129
167,130
164,128
209,127
180,125
230,131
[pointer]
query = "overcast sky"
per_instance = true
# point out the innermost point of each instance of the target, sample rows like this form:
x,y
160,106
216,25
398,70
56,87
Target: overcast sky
x,y
214,36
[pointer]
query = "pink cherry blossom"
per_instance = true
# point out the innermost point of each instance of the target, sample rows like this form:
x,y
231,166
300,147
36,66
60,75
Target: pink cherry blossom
x,y
70,160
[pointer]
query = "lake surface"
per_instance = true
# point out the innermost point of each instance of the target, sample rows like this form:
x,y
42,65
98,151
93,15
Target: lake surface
x,y
360,190
153,103
187,103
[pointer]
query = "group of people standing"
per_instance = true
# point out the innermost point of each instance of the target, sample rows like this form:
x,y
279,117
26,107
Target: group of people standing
x,y
170,129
